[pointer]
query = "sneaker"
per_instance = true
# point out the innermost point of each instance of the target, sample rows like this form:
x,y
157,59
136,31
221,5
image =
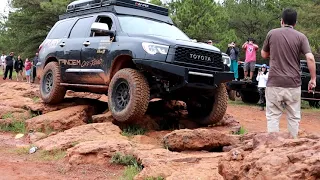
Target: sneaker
x,y
262,109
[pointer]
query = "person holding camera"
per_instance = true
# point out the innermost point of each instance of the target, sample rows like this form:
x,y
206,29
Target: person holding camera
x,y
233,53
262,79
251,58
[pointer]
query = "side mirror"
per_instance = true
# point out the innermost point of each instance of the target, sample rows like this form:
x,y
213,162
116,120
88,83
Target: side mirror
x,y
102,29
99,27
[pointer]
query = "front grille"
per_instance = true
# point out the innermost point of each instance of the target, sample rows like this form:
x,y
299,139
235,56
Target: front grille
x,y
198,57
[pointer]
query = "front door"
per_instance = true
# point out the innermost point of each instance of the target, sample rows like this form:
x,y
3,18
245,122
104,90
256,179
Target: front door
x,y
94,55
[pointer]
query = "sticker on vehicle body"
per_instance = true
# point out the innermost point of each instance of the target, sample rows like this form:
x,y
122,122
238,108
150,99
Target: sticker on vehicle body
x,y
94,62
103,45
70,62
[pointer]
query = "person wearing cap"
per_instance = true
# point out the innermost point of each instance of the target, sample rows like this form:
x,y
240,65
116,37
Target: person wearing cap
x,y
284,46
262,79
233,52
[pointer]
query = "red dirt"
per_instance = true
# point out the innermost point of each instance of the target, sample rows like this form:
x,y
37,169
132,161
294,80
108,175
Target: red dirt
x,y
17,165
254,120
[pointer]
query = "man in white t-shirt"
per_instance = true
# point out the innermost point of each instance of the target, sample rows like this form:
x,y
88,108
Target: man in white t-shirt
x,y
3,61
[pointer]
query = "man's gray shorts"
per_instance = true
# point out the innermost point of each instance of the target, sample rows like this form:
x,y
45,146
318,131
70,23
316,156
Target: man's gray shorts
x,y
250,65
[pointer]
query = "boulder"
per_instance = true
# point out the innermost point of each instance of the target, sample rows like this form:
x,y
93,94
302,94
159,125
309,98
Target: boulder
x,y
97,152
198,139
100,118
273,153
76,135
60,120
83,95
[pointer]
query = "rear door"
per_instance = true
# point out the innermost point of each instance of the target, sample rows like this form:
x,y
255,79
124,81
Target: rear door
x,y
71,65
53,45
94,53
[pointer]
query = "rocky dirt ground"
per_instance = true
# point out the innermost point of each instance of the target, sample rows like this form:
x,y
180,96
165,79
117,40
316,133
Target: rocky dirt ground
x,y
78,139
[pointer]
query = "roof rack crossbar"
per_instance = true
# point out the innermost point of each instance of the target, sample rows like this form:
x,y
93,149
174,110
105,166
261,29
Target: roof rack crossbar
x,y
84,5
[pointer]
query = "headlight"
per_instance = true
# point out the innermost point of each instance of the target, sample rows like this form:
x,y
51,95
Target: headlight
x,y
226,60
155,48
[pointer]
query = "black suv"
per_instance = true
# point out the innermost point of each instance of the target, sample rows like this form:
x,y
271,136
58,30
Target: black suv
x,y
132,52
249,91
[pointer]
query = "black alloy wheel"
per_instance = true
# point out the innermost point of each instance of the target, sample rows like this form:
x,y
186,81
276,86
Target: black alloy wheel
x,y
48,82
122,95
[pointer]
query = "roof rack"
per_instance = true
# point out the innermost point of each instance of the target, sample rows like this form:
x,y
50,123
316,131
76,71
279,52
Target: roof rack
x,y
83,5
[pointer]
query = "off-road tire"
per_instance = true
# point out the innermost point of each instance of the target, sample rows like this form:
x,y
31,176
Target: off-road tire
x,y
57,92
211,109
314,104
139,95
250,97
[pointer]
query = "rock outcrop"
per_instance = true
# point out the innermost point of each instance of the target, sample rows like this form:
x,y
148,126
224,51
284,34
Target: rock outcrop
x,y
274,156
61,120
76,135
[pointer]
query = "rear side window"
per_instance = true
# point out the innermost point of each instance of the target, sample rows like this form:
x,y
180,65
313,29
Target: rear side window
x,y
61,29
81,28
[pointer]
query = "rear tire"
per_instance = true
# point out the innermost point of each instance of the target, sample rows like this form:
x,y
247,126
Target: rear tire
x,y
51,91
314,104
128,95
208,110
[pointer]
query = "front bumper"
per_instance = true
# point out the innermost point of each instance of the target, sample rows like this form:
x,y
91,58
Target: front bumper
x,y
191,77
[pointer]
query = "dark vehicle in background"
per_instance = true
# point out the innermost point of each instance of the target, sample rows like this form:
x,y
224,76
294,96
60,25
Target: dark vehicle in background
x,y
131,51
249,91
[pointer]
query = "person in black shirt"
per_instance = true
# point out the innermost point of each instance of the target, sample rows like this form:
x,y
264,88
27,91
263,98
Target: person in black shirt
x,y
34,73
9,66
18,67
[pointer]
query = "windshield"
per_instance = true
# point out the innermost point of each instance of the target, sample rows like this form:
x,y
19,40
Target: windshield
x,y
137,25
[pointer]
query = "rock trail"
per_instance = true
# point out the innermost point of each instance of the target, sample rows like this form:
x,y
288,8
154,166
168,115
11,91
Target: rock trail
x,y
83,127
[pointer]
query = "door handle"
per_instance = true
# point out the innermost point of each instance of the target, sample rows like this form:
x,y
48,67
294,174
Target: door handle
x,y
62,44
87,43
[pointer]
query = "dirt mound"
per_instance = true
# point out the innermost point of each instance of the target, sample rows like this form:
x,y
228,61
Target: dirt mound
x,y
271,154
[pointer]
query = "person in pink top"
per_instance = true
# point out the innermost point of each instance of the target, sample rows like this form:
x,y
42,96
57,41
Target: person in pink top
x,y
251,58
28,66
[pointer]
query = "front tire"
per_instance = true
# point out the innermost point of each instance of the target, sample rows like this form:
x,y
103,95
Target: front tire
x,y
51,91
207,110
128,95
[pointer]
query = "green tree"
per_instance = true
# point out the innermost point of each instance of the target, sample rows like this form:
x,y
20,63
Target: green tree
x,y
28,26
202,21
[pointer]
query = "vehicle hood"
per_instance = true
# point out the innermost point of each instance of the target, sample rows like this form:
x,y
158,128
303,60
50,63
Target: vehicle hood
x,y
172,42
